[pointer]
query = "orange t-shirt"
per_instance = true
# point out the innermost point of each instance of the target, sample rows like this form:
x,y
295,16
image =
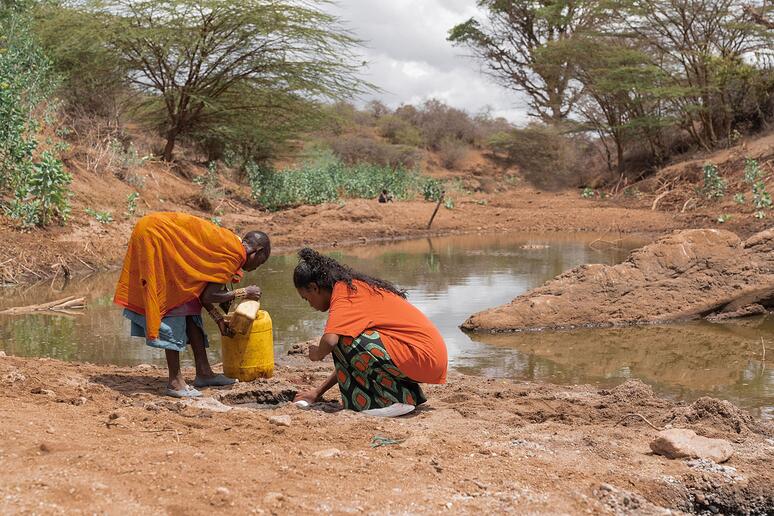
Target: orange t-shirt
x,y
413,342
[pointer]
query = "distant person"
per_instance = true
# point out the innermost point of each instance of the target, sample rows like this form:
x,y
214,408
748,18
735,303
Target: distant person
x,y
385,197
382,346
174,265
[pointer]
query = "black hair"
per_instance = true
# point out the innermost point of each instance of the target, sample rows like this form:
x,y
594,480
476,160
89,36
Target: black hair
x,y
326,272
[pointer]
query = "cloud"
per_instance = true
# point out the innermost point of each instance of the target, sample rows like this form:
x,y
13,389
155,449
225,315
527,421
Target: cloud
x,y
411,61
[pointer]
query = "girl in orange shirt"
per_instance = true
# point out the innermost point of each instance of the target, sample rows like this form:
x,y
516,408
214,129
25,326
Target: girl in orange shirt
x,y
383,347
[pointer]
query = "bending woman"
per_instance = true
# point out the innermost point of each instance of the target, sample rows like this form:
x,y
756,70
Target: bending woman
x,y
383,347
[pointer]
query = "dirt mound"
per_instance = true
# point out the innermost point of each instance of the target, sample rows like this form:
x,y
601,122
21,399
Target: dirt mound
x,y
717,418
631,391
687,275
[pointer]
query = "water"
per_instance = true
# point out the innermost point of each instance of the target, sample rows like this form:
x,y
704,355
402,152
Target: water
x,y
448,279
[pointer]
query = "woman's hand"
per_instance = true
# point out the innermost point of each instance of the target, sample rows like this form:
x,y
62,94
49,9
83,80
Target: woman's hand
x,y
253,292
225,329
310,396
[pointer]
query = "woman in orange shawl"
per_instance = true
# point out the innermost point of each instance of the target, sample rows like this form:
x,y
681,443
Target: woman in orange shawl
x,y
175,264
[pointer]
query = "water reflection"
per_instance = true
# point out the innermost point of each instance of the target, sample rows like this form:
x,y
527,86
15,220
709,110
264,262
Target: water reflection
x,y
448,278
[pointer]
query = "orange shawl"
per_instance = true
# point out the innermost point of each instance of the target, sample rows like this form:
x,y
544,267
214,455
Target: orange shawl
x,y
170,259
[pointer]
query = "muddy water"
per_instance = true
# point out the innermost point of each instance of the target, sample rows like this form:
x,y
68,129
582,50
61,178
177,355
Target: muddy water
x,y
450,278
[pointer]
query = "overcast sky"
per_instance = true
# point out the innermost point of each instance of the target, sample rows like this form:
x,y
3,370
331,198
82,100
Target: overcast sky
x,y
409,58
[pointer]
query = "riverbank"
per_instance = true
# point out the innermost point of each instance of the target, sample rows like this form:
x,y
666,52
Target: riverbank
x,y
87,245
79,437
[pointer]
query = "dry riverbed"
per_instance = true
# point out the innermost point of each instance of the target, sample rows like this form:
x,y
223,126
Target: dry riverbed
x,y
78,438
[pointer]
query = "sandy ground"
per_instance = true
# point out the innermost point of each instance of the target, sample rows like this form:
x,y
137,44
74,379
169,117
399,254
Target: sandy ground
x,y
80,438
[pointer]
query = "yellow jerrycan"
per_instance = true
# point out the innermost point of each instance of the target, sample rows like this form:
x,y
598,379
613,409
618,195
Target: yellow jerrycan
x,y
249,354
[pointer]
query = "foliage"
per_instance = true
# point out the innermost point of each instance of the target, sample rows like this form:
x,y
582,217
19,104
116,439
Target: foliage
x,y
194,60
355,149
753,175
38,182
588,193
448,203
723,218
739,198
131,203
327,180
452,152
508,40
103,217
432,189
714,185
545,155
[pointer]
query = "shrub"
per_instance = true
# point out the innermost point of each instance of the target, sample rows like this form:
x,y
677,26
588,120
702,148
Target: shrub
x,y
327,180
40,186
714,186
452,152
355,150
546,157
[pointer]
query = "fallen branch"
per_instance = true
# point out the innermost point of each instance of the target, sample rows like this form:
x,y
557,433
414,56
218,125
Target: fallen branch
x,y
627,416
658,198
66,306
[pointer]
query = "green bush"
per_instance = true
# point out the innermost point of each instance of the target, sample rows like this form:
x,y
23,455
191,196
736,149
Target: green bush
x,y
39,187
714,185
328,180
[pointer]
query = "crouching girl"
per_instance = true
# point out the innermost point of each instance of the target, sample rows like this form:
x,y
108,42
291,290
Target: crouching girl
x,y
383,347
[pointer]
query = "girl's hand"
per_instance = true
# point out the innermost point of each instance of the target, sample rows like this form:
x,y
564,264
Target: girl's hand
x,y
310,396
253,292
314,353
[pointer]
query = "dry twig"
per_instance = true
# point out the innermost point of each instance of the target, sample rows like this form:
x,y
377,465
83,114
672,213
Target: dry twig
x,y
627,416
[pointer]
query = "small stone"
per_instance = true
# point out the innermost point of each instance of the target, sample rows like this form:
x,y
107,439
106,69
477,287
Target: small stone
x,y
44,392
223,491
99,486
327,453
170,453
114,415
79,401
678,443
273,498
50,430
2,354
151,406
283,420
144,367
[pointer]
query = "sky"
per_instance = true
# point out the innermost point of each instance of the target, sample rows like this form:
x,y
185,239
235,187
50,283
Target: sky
x,y
411,61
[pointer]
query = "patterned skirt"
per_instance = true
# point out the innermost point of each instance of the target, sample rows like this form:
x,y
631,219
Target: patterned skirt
x,y
368,378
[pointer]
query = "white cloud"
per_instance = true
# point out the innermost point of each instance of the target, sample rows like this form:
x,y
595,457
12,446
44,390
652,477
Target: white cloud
x,y
411,61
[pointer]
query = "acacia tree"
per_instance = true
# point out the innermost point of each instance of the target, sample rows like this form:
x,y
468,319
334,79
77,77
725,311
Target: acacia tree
x,y
508,40
193,59
702,45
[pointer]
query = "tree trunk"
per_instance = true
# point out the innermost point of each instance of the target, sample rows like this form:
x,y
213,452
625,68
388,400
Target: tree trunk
x,y
170,146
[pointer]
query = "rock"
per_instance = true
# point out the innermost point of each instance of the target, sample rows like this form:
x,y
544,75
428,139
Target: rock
x,y
99,486
144,367
208,403
44,392
2,354
223,491
151,406
678,443
79,401
327,453
686,275
283,420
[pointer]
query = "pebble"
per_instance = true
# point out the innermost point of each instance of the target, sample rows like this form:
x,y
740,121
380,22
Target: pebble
x,y
79,401
144,367
283,420
50,430
99,486
170,453
223,491
45,392
151,406
327,453
2,354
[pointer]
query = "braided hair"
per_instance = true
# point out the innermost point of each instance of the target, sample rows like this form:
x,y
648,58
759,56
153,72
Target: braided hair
x,y
326,272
